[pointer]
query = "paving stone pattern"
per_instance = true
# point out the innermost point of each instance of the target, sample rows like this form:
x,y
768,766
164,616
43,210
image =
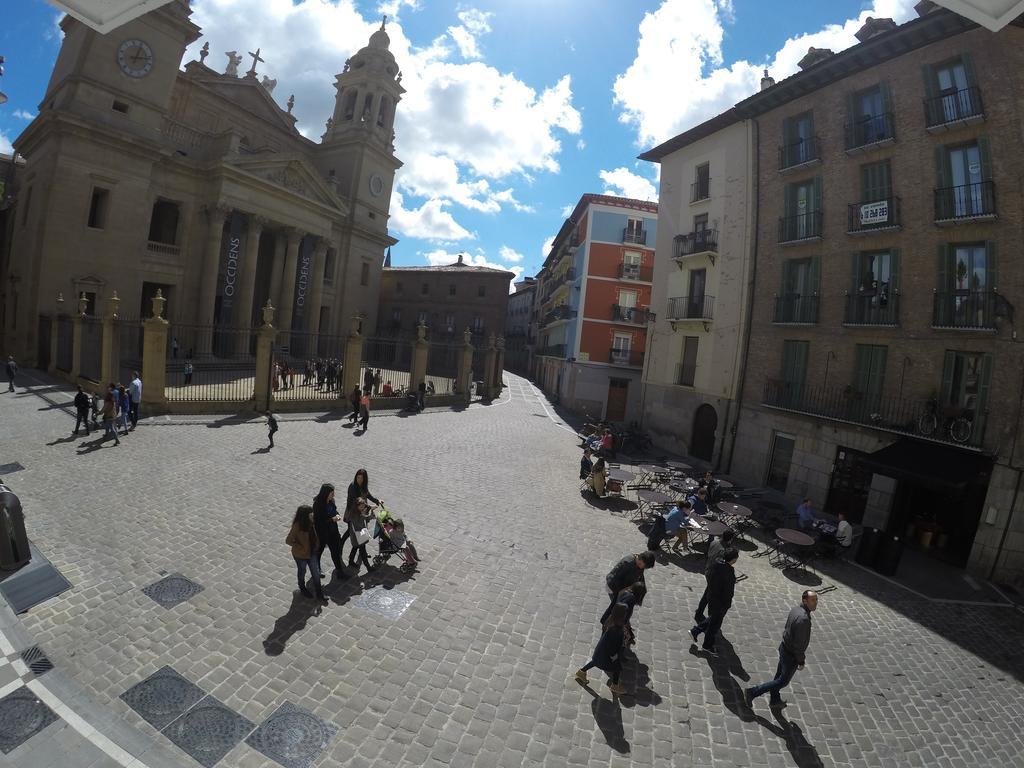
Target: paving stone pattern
x,y
477,669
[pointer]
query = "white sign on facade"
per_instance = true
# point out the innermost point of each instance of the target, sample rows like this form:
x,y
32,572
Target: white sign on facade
x,y
874,213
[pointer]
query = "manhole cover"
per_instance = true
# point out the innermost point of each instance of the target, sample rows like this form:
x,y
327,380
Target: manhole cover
x,y
171,590
292,736
208,731
36,660
162,696
6,469
22,716
390,603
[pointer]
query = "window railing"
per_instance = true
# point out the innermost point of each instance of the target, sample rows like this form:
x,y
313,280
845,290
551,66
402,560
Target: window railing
x,y
699,307
685,374
968,201
634,357
952,107
558,281
874,308
803,226
701,241
637,236
796,309
164,249
561,312
869,130
636,272
700,190
873,215
554,350
799,152
964,309
907,416
635,315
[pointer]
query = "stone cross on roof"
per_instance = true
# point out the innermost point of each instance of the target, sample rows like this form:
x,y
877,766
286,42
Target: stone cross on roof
x,y
255,58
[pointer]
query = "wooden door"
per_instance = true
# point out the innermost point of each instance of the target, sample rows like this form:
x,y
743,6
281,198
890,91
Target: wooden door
x,y
618,389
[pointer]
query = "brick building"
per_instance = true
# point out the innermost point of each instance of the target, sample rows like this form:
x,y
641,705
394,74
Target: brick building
x,y
521,326
593,299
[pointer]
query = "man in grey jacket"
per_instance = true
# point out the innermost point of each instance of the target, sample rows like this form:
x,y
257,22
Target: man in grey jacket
x,y
792,651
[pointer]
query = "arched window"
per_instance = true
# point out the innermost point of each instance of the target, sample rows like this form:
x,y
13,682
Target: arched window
x,y
382,113
350,104
368,108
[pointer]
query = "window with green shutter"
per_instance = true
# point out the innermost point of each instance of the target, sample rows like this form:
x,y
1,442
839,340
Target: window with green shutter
x,y
794,370
875,182
868,379
951,91
966,380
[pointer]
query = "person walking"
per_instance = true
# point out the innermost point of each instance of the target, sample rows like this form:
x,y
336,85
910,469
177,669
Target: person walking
x,y
354,399
188,372
82,405
302,539
792,651
607,655
325,520
626,572
109,412
632,597
368,380
124,406
135,391
716,547
174,347
12,371
364,410
721,587
355,503
271,428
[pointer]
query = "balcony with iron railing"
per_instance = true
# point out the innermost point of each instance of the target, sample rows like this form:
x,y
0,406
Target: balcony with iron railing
x,y
699,307
699,243
967,202
634,236
636,272
700,190
799,153
800,228
556,282
950,110
870,132
966,310
632,315
872,308
558,314
630,357
796,310
918,417
873,216
553,350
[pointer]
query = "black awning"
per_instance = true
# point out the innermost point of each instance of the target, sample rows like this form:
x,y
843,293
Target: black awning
x,y
929,464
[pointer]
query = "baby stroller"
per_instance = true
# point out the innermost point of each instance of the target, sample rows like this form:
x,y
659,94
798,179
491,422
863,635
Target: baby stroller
x,y
391,540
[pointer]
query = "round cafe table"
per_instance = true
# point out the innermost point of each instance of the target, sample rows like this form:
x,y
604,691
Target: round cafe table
x,y
680,465
735,510
794,537
715,528
621,475
651,497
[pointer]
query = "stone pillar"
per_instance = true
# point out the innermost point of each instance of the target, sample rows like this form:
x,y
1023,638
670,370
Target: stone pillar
x,y
110,357
287,300
418,367
76,338
499,366
208,279
277,268
247,272
490,361
262,390
52,367
316,297
353,358
154,356
464,378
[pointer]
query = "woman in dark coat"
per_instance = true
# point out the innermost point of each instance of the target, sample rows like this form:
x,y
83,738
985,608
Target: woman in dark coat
x,y
325,522
607,654
358,490
302,539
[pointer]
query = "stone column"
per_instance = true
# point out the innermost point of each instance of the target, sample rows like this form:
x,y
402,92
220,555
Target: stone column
x,y
76,338
490,360
277,268
247,272
353,358
208,279
316,295
418,367
110,357
262,390
464,377
287,300
52,367
499,366
154,356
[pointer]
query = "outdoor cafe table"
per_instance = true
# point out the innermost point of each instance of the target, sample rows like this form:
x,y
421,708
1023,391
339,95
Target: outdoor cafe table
x,y
803,543
650,498
724,484
652,471
737,515
680,465
621,477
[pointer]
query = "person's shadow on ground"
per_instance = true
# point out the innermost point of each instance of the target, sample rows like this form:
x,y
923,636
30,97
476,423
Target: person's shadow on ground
x,y
641,694
89,447
264,449
730,690
805,755
68,439
291,622
608,716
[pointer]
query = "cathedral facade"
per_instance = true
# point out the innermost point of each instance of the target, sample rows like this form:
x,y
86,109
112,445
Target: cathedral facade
x,y
141,175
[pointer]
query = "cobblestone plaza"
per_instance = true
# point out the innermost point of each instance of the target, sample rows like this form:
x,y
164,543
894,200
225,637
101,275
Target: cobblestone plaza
x,y
467,661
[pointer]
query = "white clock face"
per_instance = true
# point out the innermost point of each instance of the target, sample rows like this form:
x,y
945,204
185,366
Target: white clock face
x,y
135,58
376,185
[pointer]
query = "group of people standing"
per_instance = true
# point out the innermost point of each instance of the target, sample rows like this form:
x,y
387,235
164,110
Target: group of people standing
x,y
316,528
323,374
118,410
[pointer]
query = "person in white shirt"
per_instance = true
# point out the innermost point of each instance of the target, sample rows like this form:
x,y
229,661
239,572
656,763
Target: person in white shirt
x,y
135,394
844,531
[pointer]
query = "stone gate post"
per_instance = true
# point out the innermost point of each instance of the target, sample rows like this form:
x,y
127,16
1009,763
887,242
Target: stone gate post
x,y
154,356
464,376
353,358
110,356
76,338
418,366
262,390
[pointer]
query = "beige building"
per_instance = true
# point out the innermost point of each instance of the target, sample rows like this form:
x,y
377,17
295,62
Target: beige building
x,y
700,296
142,176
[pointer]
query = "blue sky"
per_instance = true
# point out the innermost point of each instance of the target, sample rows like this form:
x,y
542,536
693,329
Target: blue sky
x,y
514,108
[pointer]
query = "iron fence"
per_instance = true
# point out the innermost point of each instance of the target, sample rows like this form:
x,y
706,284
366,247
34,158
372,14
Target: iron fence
x,y
222,368
129,352
802,226
873,308
386,366
65,344
443,366
91,356
870,130
313,377
954,106
964,309
966,201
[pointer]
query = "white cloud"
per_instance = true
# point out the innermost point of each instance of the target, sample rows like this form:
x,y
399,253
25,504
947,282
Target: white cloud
x,y
508,254
581,144
428,222
545,248
392,8
23,114
625,183
567,210
5,144
681,42
440,257
474,24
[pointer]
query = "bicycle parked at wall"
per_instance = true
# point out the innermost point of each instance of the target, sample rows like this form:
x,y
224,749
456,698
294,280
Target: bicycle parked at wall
x,y
957,422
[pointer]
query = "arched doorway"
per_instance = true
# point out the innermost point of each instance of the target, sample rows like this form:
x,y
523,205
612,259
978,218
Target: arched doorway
x,y
702,442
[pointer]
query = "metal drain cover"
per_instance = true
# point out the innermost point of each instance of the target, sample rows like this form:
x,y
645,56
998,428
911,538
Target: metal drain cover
x,y
162,697
390,603
208,731
22,716
36,660
292,736
173,589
